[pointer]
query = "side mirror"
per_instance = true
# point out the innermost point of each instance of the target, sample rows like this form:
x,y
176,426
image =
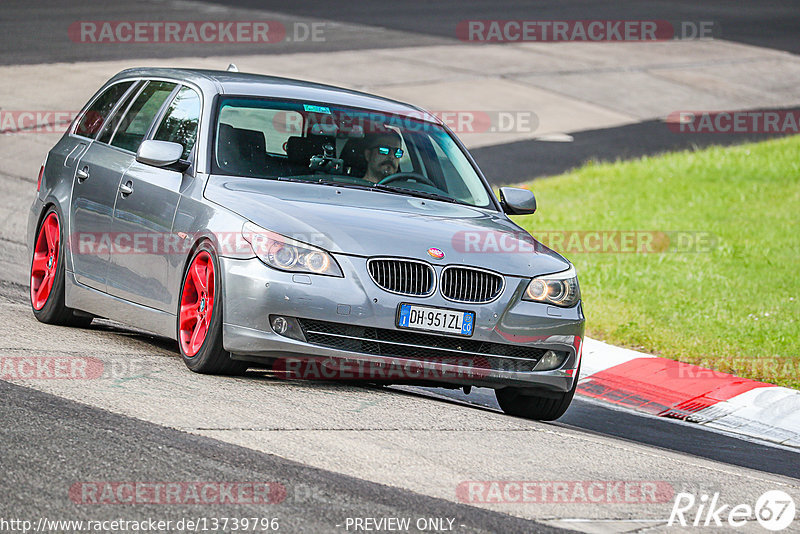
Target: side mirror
x,y
160,153
516,201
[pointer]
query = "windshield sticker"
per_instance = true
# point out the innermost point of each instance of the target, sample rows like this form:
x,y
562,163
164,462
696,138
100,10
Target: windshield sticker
x,y
316,109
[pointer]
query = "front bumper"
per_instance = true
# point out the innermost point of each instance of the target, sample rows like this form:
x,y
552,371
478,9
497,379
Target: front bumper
x,y
252,292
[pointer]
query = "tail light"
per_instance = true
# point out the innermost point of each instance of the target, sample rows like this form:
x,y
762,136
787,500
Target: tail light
x,y
39,181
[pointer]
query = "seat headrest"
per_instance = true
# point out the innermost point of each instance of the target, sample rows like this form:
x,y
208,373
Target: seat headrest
x,y
241,149
299,150
353,156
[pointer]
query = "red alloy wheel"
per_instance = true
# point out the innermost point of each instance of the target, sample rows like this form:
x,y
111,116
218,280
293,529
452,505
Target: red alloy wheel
x,y
197,303
45,261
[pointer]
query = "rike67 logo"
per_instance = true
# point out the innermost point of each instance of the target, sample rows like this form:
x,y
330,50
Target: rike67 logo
x,y
774,510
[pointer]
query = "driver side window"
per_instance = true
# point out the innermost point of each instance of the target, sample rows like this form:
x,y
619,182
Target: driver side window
x,y
140,115
180,122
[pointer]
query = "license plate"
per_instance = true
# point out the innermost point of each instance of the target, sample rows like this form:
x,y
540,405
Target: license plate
x,y
436,319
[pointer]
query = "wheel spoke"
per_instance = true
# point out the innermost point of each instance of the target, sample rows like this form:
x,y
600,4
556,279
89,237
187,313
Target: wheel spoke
x,y
48,285
197,277
37,285
188,314
51,232
44,289
198,336
39,262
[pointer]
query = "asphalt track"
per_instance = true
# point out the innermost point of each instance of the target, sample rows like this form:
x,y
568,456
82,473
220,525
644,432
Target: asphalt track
x,y
34,32
103,431
53,441
668,434
48,441
584,414
508,162
770,23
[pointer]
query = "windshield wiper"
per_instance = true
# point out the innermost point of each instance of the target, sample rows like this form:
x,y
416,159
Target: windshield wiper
x,y
290,179
322,181
416,193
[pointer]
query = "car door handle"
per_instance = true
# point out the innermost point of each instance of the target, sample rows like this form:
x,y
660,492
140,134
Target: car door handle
x,y
126,189
82,174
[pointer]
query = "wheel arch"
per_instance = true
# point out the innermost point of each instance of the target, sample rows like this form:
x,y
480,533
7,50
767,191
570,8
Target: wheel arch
x,y
51,202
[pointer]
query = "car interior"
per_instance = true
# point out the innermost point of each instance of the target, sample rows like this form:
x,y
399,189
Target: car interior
x,y
320,150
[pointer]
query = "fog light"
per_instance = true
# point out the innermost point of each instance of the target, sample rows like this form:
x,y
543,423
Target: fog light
x,y
287,326
280,325
551,360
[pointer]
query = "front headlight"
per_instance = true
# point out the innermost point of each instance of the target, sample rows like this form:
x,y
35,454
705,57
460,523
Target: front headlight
x,y
560,289
287,254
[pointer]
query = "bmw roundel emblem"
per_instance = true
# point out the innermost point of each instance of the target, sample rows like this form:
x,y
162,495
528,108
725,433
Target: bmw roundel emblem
x,y
435,253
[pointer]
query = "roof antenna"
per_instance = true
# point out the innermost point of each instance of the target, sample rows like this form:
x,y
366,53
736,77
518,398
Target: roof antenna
x,y
232,68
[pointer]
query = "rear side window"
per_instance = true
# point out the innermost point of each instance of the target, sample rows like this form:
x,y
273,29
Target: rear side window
x,y
112,123
136,122
180,122
91,121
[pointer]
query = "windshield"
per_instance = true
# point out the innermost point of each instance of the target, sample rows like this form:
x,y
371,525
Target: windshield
x,y
310,142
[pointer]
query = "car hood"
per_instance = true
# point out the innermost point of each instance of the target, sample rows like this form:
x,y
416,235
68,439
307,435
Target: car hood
x,y
372,223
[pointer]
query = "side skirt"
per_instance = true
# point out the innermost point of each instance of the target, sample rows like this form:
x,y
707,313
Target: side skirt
x,y
83,298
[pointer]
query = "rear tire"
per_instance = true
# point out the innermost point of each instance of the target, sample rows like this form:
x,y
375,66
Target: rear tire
x,y
47,275
517,402
200,317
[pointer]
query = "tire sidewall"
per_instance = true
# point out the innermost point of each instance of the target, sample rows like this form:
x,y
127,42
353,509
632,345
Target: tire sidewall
x,y
530,406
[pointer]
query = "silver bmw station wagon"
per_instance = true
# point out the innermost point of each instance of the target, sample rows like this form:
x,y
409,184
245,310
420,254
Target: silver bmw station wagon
x,y
311,230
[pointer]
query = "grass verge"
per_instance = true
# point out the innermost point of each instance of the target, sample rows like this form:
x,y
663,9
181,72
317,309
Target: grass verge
x,y
720,284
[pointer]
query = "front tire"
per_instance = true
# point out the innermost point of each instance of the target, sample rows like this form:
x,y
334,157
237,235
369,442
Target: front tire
x,y
200,317
549,407
47,275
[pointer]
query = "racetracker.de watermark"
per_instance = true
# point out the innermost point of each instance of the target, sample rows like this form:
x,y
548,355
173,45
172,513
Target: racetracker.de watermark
x,y
565,492
722,367
237,244
473,121
341,369
195,31
584,241
460,121
35,121
551,31
50,368
775,121
177,492
69,368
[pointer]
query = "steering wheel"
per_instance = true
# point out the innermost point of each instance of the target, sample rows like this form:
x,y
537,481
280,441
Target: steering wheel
x,y
407,176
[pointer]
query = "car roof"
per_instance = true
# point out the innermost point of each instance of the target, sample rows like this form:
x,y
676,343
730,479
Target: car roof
x,y
241,83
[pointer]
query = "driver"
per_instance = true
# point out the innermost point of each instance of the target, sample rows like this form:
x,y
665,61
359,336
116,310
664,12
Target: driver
x,y
383,155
